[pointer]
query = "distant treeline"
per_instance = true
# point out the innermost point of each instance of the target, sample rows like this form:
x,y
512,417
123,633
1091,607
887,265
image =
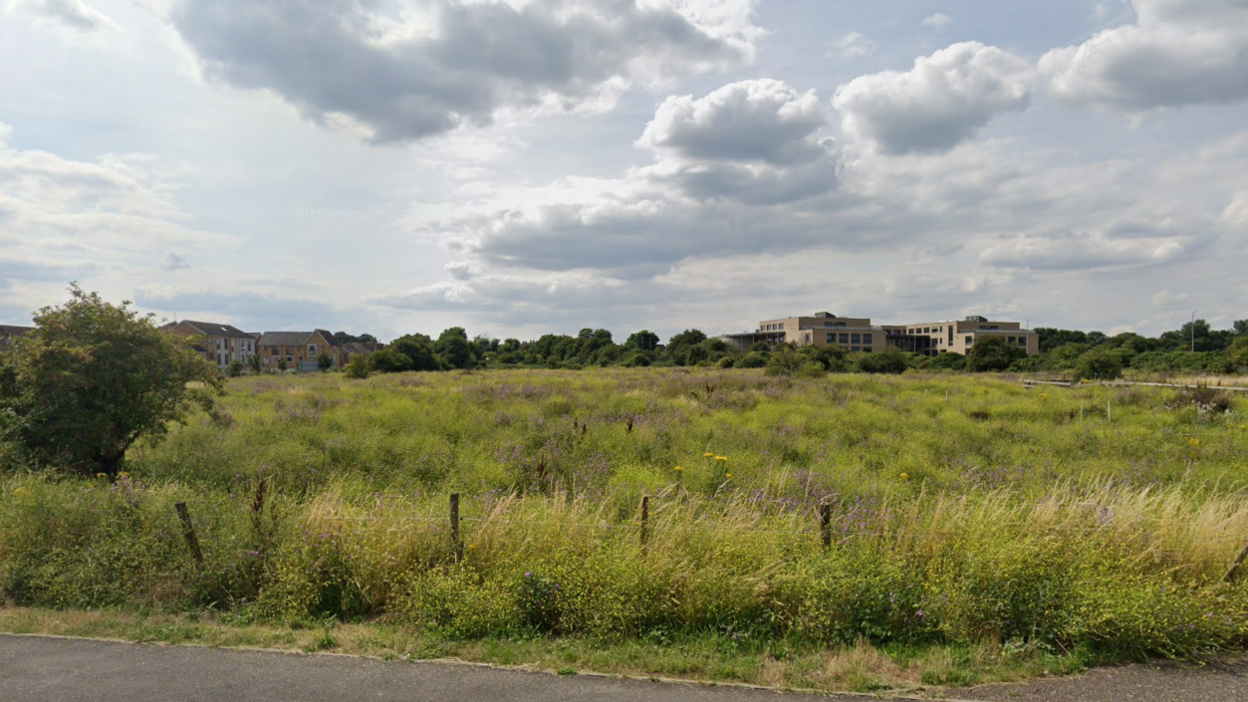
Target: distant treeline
x,y
1085,354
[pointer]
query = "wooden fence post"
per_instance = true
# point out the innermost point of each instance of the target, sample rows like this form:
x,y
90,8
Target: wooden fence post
x,y
188,530
456,544
825,524
645,517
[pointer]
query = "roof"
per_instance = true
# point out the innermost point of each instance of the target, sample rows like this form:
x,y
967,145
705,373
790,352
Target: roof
x,y
329,337
361,347
284,338
8,331
13,330
211,328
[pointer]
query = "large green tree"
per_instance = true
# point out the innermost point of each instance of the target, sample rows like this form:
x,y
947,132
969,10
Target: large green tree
x,y
92,379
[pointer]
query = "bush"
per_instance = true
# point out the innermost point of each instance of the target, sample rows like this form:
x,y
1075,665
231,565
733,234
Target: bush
x,y
888,361
1098,365
945,361
358,367
992,354
752,359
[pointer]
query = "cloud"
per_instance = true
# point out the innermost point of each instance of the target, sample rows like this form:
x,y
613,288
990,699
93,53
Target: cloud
x,y
853,45
1165,298
429,67
74,15
464,270
174,261
938,21
945,99
250,310
62,219
756,120
1118,246
1178,52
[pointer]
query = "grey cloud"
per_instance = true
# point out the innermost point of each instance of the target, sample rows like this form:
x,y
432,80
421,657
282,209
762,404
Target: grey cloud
x,y
174,261
38,272
335,57
1116,246
945,99
1178,52
71,14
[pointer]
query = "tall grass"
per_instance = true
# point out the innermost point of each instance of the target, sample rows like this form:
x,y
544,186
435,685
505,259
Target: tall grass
x,y
964,511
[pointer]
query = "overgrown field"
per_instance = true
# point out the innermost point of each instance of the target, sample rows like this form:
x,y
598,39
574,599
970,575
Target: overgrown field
x,y
964,512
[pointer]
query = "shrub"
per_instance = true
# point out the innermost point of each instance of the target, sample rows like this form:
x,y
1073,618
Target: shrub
x,y
358,367
1098,365
752,359
888,361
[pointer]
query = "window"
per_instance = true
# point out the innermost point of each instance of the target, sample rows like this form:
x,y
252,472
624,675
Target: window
x,y
844,338
855,348
266,361
970,340
311,350
831,338
866,349
855,338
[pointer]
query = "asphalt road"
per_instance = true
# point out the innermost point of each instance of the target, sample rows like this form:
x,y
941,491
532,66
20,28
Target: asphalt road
x,y
35,669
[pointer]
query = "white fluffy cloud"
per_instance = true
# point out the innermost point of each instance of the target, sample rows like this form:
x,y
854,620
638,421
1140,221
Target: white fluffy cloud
x,y
938,20
61,218
758,120
1178,52
412,68
945,99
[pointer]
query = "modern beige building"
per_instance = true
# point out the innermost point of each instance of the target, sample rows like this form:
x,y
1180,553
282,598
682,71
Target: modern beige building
x,y
859,334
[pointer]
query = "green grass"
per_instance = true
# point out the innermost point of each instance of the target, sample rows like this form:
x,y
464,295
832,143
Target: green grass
x,y
975,527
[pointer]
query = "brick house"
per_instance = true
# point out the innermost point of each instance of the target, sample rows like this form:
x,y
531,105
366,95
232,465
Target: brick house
x,y
219,343
300,350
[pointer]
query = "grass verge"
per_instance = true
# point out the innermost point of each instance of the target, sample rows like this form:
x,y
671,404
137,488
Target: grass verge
x,y
706,659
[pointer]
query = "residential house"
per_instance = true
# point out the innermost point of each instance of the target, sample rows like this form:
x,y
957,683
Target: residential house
x,y
359,348
221,344
300,350
10,332
859,334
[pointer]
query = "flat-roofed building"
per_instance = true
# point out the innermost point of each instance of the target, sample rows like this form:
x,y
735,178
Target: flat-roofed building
x,y
859,334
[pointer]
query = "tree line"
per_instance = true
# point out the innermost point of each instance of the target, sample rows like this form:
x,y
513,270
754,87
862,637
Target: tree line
x,y
1085,354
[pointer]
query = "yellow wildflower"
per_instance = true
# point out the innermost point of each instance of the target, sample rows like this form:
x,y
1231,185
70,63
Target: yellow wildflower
x,y
905,476
472,547
708,454
123,474
101,475
678,468
723,459
729,476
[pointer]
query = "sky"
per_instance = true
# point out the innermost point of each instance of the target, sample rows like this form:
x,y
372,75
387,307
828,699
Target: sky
x,y
521,167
